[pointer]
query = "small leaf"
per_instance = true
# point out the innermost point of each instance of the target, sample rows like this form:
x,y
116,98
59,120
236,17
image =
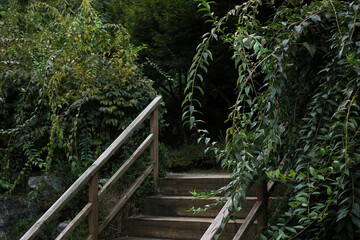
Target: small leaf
x,y
192,120
307,146
356,209
356,221
277,173
342,214
191,109
312,50
313,171
298,28
306,45
292,173
291,229
315,18
247,90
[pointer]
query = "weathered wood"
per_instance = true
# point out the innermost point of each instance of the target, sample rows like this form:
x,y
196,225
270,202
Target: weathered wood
x,y
75,222
126,196
184,228
261,193
270,187
94,168
126,165
182,184
243,230
154,147
178,206
94,214
214,226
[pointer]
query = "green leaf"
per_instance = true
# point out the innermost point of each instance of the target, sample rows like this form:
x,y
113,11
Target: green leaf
x,y
356,221
356,210
312,50
307,146
277,173
191,109
307,46
292,173
313,171
192,120
293,230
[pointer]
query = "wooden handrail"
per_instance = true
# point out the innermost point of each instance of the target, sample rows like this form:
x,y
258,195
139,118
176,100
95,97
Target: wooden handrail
x,y
214,226
91,176
257,212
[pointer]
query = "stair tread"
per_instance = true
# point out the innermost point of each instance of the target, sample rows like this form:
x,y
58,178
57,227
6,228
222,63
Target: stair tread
x,y
167,215
197,175
140,238
180,219
192,198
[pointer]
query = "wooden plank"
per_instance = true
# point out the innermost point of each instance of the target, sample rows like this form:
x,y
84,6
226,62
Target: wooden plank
x,y
94,214
179,206
75,222
124,198
255,211
214,226
261,194
175,227
154,147
126,165
270,186
85,177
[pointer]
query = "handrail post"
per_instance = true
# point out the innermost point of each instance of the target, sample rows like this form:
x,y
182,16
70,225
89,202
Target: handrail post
x,y
154,147
94,214
262,195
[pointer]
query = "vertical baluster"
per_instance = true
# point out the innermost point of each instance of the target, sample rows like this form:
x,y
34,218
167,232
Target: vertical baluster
x,y
154,147
93,216
262,195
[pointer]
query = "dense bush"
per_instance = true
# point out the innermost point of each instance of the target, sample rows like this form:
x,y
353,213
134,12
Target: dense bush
x,y
298,101
69,85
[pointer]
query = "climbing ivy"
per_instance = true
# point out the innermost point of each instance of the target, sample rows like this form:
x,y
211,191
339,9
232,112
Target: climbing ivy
x,y
69,85
297,102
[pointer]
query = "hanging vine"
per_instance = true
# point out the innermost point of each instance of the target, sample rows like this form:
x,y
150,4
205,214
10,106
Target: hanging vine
x,y
297,100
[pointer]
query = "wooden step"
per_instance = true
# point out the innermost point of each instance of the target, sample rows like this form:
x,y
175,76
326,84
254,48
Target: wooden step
x,y
183,184
140,238
178,206
187,228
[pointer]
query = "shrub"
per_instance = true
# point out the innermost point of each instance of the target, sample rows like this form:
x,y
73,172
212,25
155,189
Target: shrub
x,y
69,85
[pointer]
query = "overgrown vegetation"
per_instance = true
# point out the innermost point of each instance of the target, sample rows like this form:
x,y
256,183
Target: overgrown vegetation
x,y
297,100
171,29
69,86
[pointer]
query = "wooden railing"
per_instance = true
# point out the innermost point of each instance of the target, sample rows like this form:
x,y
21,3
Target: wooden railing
x,y
258,212
91,176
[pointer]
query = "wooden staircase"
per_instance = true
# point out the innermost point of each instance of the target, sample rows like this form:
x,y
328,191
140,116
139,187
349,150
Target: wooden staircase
x,y
167,215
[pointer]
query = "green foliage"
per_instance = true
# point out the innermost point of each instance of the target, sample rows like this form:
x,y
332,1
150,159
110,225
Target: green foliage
x,y
23,225
170,29
69,85
191,156
297,100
